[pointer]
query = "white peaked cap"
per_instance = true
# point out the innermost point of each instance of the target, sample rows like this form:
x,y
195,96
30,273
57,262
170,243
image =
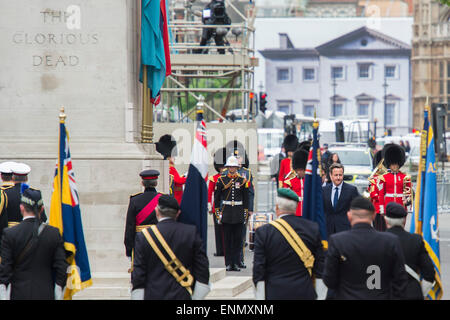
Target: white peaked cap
x,y
6,167
232,162
20,168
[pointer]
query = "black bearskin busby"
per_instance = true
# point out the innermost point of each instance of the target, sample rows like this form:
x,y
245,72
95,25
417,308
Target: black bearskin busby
x,y
220,158
300,159
166,146
290,143
393,154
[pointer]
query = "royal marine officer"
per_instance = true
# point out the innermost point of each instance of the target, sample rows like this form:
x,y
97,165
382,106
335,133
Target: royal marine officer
x,y
394,186
235,148
417,260
362,263
232,193
33,259
296,181
290,143
141,209
167,147
186,275
288,255
219,165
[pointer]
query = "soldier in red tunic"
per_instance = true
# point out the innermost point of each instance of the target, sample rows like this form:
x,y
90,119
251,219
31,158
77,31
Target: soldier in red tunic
x,y
167,147
394,186
290,144
296,182
219,165
379,222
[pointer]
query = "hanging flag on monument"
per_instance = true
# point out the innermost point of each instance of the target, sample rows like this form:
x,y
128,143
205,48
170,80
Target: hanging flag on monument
x,y
65,215
312,192
155,51
194,204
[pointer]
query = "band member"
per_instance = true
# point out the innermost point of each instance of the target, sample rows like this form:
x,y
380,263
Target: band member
x,y
394,186
219,165
167,146
290,143
232,193
295,183
373,193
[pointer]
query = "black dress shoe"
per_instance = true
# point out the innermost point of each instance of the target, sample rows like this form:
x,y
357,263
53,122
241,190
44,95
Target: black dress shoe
x,y
242,265
230,268
236,268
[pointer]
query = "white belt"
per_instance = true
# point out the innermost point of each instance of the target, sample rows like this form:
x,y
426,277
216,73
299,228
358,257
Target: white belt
x,y
393,195
232,203
412,273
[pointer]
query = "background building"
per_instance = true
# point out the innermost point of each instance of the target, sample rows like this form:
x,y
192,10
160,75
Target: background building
x,y
362,74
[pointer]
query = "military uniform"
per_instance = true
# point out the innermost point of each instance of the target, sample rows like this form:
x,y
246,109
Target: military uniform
x,y
290,144
232,192
141,211
373,191
356,256
178,183
149,273
416,256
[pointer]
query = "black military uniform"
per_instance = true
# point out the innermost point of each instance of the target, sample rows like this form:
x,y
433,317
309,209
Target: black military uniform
x,y
232,193
139,214
279,266
149,272
32,262
416,256
364,264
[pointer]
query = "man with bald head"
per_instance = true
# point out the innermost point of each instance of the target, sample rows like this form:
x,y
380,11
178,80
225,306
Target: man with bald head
x,y
362,263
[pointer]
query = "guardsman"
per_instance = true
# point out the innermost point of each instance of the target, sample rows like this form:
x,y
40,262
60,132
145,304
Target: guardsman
x,y
33,259
141,209
373,192
236,149
219,165
418,263
170,262
362,263
167,146
232,193
290,143
394,186
296,182
288,255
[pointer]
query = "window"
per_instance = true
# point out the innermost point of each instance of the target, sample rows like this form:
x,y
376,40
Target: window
x,y
284,107
283,74
390,114
364,70
389,71
308,110
336,110
363,109
309,74
337,73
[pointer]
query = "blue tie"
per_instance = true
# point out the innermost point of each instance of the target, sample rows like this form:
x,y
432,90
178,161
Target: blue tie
x,y
336,197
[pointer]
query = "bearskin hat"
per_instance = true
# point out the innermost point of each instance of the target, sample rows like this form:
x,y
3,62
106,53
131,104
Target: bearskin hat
x,y
393,154
290,142
305,145
220,157
377,158
166,146
300,159
236,148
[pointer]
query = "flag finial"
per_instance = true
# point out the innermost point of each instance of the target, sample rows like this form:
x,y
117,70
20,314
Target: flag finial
x,y
62,115
200,104
427,106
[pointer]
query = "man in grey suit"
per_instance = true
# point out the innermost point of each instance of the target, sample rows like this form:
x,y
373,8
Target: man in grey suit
x,y
337,198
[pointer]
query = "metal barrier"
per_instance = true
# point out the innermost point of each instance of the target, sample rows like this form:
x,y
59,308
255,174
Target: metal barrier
x,y
443,191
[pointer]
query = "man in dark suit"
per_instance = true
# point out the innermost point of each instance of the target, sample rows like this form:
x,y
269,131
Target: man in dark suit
x,y
141,209
337,197
278,271
416,256
150,278
33,259
363,263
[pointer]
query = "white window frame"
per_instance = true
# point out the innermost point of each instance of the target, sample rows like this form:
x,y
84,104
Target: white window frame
x,y
338,102
315,74
309,104
363,102
396,73
394,121
284,103
289,69
370,71
344,72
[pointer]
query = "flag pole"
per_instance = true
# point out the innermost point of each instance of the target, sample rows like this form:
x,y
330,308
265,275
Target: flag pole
x,y
147,110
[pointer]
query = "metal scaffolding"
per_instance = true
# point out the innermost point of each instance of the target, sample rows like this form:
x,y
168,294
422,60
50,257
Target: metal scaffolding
x,y
224,79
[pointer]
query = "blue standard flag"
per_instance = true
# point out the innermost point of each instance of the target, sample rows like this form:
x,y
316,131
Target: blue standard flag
x,y
194,204
65,215
312,192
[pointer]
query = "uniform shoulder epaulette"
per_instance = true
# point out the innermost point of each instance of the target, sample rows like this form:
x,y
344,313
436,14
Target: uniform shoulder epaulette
x,y
288,182
5,187
136,194
211,178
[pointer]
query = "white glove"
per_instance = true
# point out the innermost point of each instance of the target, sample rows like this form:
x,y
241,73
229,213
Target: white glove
x,y
260,292
137,294
321,289
426,287
58,292
3,293
200,291
209,207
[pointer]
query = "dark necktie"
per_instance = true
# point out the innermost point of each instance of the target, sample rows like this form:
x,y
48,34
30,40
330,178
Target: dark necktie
x,y
336,197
